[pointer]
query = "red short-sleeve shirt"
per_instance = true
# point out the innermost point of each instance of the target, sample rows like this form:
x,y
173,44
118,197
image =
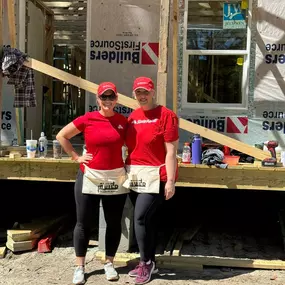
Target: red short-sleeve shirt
x,y
104,138
147,132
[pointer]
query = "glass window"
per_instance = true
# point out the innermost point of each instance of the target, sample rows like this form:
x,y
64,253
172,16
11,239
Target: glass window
x,y
215,79
211,26
216,52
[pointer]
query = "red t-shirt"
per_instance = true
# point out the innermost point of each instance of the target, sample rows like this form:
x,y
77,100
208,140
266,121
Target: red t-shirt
x,y
147,132
104,138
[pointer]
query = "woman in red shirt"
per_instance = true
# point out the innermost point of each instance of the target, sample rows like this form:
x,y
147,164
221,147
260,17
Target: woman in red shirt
x,y
100,176
152,140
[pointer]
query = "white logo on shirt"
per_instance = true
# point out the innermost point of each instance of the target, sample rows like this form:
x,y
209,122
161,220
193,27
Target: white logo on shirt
x,y
137,122
120,127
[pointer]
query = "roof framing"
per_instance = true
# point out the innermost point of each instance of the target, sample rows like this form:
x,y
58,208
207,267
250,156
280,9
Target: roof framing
x,y
69,21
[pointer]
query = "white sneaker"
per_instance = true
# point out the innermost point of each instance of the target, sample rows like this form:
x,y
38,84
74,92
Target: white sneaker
x,y
78,277
110,272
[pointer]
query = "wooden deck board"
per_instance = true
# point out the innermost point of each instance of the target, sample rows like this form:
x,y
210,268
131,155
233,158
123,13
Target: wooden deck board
x,y
242,177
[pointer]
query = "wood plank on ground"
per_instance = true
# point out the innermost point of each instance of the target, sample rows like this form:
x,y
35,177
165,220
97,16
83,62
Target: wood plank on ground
x,y
190,233
2,251
35,229
17,246
179,242
171,243
185,235
214,261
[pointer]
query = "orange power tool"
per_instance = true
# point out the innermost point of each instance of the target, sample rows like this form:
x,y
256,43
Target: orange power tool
x,y
271,161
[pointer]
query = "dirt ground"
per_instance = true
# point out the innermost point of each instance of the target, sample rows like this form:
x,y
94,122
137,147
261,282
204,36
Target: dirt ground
x,y
32,268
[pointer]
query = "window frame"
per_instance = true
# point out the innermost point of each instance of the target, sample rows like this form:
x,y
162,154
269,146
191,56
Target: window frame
x,y
243,106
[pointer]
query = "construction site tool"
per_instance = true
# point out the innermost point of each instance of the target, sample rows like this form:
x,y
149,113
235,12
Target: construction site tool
x,y
270,161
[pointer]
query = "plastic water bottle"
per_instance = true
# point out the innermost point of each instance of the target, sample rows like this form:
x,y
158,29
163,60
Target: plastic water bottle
x,y
186,154
196,149
43,145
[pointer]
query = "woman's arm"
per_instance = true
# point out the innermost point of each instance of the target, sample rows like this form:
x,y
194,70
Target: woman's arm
x,y
64,135
170,165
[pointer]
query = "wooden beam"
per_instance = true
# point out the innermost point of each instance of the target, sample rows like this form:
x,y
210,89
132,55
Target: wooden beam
x,y
240,177
131,103
74,80
42,6
1,80
70,18
163,52
175,54
48,53
58,4
13,43
64,11
11,22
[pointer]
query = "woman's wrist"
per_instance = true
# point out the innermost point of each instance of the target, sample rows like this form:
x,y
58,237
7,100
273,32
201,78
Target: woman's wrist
x,y
75,157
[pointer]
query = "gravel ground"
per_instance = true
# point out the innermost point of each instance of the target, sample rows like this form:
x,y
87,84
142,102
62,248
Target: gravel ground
x,y
32,268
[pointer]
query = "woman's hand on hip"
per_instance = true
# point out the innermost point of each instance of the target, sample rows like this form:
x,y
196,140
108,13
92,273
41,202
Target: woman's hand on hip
x,y
169,190
85,158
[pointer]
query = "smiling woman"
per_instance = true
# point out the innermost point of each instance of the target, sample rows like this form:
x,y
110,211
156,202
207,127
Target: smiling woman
x,y
100,176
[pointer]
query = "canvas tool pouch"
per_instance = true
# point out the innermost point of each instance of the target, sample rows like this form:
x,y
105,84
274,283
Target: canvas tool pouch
x,y
104,182
143,178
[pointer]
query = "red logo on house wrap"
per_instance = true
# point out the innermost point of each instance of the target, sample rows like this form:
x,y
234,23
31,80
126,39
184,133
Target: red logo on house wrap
x,y
150,52
237,125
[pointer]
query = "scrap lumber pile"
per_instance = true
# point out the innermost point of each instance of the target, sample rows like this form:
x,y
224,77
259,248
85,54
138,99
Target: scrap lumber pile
x,y
24,237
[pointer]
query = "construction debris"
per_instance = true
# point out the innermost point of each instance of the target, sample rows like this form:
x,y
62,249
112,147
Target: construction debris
x,y
25,237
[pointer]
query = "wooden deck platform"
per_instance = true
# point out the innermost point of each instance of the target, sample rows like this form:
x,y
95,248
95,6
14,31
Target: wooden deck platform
x,y
247,177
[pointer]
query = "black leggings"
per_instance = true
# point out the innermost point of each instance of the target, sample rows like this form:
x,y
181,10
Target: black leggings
x,y
145,221
86,207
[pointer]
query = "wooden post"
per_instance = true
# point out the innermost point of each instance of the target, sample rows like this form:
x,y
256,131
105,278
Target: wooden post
x,y
13,43
175,53
1,80
49,31
163,52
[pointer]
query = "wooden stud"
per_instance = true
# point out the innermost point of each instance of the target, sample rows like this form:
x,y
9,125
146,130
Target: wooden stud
x,y
175,54
13,43
171,243
179,243
48,53
1,80
190,233
163,52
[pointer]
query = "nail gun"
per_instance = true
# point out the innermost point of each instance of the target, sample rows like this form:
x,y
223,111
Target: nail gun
x,y
270,161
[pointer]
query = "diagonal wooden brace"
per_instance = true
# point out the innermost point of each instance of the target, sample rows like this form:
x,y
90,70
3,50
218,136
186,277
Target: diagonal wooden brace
x,y
131,103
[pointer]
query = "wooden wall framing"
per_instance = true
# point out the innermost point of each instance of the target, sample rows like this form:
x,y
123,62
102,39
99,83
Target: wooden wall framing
x,y
78,68
48,59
